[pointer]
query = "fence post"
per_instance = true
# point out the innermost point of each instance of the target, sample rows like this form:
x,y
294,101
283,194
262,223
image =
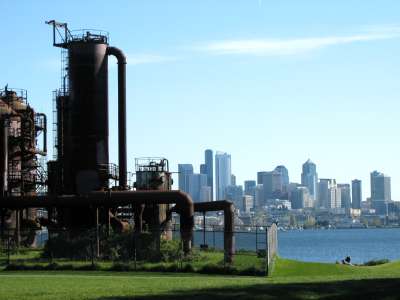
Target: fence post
x,y
8,248
92,249
213,229
204,229
134,250
266,251
256,238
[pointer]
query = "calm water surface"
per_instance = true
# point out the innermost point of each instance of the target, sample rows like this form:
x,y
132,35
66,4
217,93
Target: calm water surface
x,y
321,245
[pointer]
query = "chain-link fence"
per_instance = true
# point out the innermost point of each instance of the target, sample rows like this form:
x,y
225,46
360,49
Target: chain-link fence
x,y
101,248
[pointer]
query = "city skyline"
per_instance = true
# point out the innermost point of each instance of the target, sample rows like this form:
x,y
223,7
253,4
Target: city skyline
x,y
343,189
310,85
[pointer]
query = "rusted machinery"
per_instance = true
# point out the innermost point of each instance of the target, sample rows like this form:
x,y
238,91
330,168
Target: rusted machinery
x,y
80,194
20,170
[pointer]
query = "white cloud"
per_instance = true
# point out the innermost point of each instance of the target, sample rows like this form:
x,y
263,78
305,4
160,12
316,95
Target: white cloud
x,y
275,47
142,58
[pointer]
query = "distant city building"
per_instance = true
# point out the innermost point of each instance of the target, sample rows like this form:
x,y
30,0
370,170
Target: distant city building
x,y
272,183
197,185
205,194
209,169
234,193
345,196
328,194
300,198
309,178
203,169
250,188
233,179
380,192
184,171
356,194
259,196
248,203
260,176
222,174
284,176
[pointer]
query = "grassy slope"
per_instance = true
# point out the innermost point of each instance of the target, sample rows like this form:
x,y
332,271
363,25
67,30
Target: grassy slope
x,y
290,280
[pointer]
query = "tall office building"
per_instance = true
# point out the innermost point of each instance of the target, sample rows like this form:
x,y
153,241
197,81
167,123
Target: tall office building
x,y
209,169
259,196
234,193
233,179
309,178
222,173
205,193
356,194
328,194
184,171
380,192
300,198
248,203
345,195
285,176
272,184
203,169
197,187
250,188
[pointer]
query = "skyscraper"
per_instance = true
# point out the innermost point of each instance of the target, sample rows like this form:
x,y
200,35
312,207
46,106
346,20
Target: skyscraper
x,y
300,198
380,192
285,176
222,173
233,179
272,184
345,195
356,193
328,194
209,169
234,193
309,178
259,196
184,171
197,183
250,188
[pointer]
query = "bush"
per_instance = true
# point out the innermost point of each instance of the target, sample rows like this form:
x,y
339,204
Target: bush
x,y
188,268
63,245
216,269
376,262
120,267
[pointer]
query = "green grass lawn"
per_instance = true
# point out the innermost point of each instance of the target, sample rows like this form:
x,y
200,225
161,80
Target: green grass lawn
x,y
290,280
245,263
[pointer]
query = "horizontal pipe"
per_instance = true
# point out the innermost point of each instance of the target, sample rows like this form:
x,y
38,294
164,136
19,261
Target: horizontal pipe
x,y
184,204
229,214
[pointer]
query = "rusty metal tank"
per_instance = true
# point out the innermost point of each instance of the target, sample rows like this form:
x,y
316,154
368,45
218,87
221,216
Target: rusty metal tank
x,y
85,115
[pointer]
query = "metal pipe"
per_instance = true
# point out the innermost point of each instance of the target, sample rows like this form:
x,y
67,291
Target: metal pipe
x,y
184,204
4,156
138,217
229,214
122,160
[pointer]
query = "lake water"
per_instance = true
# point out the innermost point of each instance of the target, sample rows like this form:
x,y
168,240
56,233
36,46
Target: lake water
x,y
321,245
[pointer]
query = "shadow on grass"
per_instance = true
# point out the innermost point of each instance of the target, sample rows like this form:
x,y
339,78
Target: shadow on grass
x,y
351,289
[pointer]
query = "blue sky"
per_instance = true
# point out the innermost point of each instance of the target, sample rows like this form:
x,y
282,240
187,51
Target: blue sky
x,y
271,82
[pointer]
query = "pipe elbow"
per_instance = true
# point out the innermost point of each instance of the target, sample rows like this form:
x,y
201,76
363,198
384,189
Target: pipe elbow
x,y
118,53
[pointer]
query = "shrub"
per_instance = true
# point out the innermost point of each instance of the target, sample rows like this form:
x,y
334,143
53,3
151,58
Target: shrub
x,y
120,267
376,262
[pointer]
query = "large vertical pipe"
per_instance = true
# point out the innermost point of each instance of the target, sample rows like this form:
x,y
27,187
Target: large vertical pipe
x,y
122,160
3,156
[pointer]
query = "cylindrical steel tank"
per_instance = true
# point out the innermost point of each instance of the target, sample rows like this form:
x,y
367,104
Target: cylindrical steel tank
x,y
85,114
